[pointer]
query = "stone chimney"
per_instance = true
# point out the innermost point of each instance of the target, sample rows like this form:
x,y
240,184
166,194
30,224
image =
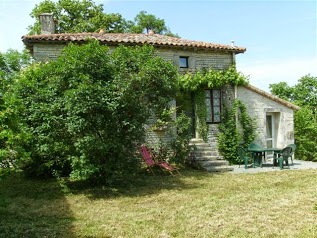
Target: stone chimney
x,y
47,23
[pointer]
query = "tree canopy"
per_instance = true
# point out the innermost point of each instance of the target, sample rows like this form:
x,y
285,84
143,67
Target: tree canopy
x,y
77,16
304,93
74,16
144,22
11,62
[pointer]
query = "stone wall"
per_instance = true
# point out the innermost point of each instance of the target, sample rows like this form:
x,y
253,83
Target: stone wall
x,y
197,60
258,106
46,52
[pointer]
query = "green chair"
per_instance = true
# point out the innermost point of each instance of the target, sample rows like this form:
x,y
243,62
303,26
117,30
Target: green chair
x,y
293,146
243,156
283,157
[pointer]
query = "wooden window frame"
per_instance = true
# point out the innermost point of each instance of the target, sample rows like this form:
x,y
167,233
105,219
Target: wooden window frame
x,y
211,98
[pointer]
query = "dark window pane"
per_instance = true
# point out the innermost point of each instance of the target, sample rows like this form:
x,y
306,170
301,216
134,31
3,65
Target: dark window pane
x,y
213,105
216,93
216,110
217,118
183,62
217,102
208,107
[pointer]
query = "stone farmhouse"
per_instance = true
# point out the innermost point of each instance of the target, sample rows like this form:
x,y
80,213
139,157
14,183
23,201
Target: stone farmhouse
x,y
275,117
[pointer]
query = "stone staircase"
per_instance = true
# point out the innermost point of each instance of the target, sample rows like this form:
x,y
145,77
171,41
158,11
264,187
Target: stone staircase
x,y
205,156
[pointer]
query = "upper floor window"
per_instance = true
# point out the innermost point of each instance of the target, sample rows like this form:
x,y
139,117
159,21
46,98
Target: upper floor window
x,y
183,62
213,103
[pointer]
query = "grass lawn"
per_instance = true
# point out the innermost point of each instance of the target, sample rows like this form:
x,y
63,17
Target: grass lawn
x,y
196,204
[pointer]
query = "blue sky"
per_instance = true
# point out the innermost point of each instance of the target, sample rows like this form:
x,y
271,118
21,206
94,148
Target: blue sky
x,y
280,36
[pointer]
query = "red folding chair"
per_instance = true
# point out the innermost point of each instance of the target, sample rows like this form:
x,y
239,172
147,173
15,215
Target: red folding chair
x,y
147,157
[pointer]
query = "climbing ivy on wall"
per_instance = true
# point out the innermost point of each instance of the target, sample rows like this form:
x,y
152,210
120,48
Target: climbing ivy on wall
x,y
247,124
201,112
234,133
199,81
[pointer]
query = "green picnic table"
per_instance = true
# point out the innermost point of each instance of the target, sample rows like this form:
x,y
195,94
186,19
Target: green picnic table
x,y
258,152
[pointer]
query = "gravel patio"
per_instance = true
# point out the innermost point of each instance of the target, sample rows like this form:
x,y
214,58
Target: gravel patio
x,y
268,167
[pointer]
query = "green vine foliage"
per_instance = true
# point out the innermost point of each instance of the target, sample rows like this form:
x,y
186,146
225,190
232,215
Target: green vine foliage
x,y
234,133
247,124
211,78
201,112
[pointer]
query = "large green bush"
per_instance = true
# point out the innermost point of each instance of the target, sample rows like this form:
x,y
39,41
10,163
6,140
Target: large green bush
x,y
86,111
12,133
305,134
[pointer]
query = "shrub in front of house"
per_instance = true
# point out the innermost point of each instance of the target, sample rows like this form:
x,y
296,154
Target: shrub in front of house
x,y
86,111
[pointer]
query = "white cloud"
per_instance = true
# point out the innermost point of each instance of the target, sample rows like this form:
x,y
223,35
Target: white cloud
x,y
264,73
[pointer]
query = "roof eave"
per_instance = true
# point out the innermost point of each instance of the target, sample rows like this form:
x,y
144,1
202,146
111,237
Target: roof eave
x,y
29,44
272,97
29,41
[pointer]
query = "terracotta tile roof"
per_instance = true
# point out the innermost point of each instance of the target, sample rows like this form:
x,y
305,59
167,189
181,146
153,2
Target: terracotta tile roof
x,y
272,97
130,39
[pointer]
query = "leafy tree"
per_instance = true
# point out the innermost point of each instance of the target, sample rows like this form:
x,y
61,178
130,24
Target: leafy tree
x,y
12,134
86,111
144,22
304,94
305,134
77,16
85,16
11,62
282,90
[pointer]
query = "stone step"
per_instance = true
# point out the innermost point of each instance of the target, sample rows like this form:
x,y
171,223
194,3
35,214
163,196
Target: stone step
x,y
218,169
211,157
211,144
201,146
202,142
196,140
205,156
202,153
209,148
213,163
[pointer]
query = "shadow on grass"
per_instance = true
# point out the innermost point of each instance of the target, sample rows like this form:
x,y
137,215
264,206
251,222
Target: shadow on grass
x,y
144,183
33,208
